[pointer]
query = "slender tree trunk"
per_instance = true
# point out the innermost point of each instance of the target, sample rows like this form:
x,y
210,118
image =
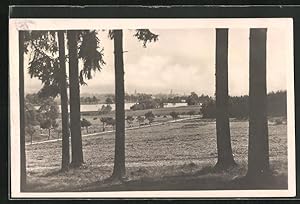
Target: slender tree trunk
x,y
64,104
76,140
22,110
31,138
225,157
258,152
49,132
119,161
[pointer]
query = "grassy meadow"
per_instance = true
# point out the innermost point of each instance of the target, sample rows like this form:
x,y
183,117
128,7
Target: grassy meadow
x,y
171,156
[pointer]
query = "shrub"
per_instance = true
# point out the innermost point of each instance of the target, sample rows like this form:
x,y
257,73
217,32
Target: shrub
x,y
105,109
129,120
85,123
208,109
149,116
174,115
111,121
140,120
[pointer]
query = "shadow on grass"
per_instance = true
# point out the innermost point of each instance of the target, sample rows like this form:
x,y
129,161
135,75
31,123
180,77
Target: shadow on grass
x,y
206,178
54,173
188,176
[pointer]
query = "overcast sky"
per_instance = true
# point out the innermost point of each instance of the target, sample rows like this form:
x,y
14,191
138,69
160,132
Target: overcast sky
x,y
184,61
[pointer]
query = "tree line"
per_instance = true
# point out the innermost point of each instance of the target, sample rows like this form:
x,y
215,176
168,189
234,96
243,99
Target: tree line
x,y
238,106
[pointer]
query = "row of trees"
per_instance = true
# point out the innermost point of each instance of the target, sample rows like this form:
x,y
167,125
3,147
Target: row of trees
x,y
192,99
48,64
107,121
89,100
95,100
149,116
147,101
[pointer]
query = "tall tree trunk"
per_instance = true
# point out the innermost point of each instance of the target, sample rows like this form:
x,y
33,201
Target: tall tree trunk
x,y
22,110
64,103
119,162
76,140
258,149
225,157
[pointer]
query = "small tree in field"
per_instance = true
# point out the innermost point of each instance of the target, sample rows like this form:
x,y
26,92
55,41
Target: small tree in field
x,y
31,118
105,109
190,113
59,130
140,120
108,101
174,115
85,123
54,125
48,115
103,120
192,99
129,120
46,124
111,121
30,130
150,117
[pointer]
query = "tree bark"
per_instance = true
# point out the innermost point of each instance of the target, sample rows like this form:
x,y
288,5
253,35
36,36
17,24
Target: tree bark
x,y
225,157
22,112
258,149
76,140
119,161
64,103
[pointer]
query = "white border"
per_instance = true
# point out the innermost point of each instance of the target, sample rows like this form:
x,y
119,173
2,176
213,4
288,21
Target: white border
x,y
56,24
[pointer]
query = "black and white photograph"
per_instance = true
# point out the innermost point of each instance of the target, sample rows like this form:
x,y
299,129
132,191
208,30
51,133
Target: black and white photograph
x,y
104,108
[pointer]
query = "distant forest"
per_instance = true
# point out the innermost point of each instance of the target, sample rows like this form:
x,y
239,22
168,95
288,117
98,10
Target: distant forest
x,y
239,106
192,99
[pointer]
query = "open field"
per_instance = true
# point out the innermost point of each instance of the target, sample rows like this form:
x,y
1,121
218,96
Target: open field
x,y
175,155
